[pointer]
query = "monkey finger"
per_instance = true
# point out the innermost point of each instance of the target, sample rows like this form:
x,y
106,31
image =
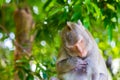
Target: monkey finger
x,y
85,63
76,69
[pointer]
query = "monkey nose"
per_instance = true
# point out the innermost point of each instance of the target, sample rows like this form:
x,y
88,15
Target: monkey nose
x,y
79,48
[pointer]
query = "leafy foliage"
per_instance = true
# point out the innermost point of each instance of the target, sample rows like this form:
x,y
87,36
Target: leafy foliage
x,y
100,17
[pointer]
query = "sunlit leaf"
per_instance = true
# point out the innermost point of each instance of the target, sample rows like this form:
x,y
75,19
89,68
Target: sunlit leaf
x,y
1,2
87,1
116,51
110,6
86,22
113,19
97,12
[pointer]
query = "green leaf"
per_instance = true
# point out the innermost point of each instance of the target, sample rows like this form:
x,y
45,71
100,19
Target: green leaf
x,y
61,1
21,74
75,16
44,75
47,4
106,22
1,2
86,22
97,12
55,11
27,66
30,77
111,7
87,1
110,32
114,19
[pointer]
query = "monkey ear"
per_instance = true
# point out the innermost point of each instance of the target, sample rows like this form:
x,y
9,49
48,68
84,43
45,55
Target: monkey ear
x,y
79,22
69,25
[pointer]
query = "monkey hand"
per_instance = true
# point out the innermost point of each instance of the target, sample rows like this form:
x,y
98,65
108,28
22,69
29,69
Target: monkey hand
x,y
81,65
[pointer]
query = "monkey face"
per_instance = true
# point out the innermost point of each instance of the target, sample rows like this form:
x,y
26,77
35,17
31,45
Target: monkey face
x,y
73,37
79,48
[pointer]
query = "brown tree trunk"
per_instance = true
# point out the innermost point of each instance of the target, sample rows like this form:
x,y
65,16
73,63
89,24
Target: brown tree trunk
x,y
23,43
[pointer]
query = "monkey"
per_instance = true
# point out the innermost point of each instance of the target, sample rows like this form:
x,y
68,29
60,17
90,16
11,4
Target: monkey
x,y
79,57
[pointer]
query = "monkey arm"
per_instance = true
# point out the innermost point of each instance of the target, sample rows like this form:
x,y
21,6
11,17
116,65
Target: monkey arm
x,y
66,65
65,62
103,77
71,63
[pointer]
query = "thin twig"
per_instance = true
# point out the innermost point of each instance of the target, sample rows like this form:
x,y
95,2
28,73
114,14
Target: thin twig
x,y
14,41
5,30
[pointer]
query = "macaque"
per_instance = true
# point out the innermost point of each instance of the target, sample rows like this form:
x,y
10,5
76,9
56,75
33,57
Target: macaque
x,y
79,57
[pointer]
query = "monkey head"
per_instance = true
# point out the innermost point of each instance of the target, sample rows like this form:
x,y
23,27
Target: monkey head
x,y
76,39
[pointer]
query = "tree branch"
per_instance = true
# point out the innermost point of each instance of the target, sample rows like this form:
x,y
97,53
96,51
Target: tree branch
x,y
14,41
